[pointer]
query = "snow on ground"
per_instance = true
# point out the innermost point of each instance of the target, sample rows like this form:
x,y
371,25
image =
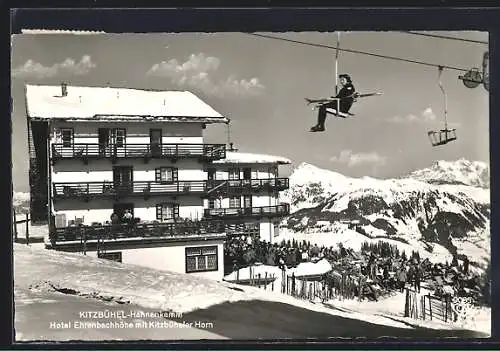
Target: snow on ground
x,y
243,157
480,317
150,288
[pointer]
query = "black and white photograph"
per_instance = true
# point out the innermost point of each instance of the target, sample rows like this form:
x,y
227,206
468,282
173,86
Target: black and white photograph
x,y
250,185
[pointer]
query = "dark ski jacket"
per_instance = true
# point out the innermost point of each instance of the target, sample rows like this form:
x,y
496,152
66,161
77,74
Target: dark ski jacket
x,y
346,92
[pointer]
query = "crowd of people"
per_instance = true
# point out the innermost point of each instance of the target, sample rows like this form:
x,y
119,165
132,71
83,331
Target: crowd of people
x,y
378,264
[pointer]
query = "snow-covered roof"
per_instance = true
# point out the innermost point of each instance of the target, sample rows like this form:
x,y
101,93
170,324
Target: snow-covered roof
x,y
242,157
107,103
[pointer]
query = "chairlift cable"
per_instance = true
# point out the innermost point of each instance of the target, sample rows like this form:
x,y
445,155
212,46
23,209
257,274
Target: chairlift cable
x,y
446,37
395,58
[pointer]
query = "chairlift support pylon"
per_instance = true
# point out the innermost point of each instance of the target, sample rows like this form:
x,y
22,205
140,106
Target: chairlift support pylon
x,y
443,136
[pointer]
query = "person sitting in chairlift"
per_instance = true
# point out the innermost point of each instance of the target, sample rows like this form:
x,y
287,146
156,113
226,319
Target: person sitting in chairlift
x,y
346,96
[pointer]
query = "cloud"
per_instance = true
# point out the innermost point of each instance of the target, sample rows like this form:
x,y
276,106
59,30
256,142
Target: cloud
x,y
357,159
425,116
32,69
198,72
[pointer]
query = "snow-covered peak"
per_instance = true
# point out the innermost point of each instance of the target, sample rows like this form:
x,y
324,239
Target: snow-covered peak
x,y
462,171
306,173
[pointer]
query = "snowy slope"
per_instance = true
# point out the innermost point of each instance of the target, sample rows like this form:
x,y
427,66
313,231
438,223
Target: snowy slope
x,y
437,219
473,173
37,270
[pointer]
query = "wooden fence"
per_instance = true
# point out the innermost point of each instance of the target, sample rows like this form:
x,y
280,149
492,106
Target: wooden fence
x,y
264,281
322,287
15,222
428,307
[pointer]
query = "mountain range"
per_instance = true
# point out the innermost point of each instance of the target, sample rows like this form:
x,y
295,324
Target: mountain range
x,y
443,208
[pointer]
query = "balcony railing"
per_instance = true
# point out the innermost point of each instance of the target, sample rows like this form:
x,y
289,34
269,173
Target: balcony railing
x,y
252,212
91,190
85,152
137,230
245,186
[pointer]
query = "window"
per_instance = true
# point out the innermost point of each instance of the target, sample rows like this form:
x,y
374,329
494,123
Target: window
x,y
120,137
67,137
211,203
235,202
167,212
252,230
234,174
276,229
166,175
201,259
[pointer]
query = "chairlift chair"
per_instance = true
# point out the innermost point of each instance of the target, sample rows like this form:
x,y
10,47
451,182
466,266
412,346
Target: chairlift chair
x,y
442,137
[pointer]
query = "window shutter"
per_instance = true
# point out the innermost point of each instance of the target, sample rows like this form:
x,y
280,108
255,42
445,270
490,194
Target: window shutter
x,y
157,174
176,210
158,212
175,174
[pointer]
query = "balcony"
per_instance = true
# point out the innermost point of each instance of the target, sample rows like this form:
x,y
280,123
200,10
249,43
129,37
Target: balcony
x,y
173,152
92,190
248,212
181,229
245,186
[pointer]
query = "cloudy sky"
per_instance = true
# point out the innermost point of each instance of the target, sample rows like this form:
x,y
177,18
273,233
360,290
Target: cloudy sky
x,y
260,84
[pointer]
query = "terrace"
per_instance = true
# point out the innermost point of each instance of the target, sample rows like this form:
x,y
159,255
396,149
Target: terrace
x,y
245,186
146,230
92,190
107,189
173,152
248,212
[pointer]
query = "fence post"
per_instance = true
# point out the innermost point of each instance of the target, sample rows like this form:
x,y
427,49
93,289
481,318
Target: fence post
x,y
15,225
27,230
265,281
423,306
446,309
258,280
407,303
430,306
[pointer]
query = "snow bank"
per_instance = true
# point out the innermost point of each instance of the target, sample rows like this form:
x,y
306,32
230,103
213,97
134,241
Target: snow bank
x,y
311,268
241,157
150,288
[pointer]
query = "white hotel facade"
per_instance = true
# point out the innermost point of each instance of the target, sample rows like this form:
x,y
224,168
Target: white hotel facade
x,y
96,151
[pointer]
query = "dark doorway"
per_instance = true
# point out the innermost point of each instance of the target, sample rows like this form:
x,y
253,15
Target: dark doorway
x,y
247,204
120,208
247,173
155,141
104,140
211,173
123,178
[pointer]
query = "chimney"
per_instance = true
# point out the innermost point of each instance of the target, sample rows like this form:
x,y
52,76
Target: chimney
x,y
232,148
64,89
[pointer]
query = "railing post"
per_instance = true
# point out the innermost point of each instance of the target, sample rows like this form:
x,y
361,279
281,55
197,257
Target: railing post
x,y
27,230
15,225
